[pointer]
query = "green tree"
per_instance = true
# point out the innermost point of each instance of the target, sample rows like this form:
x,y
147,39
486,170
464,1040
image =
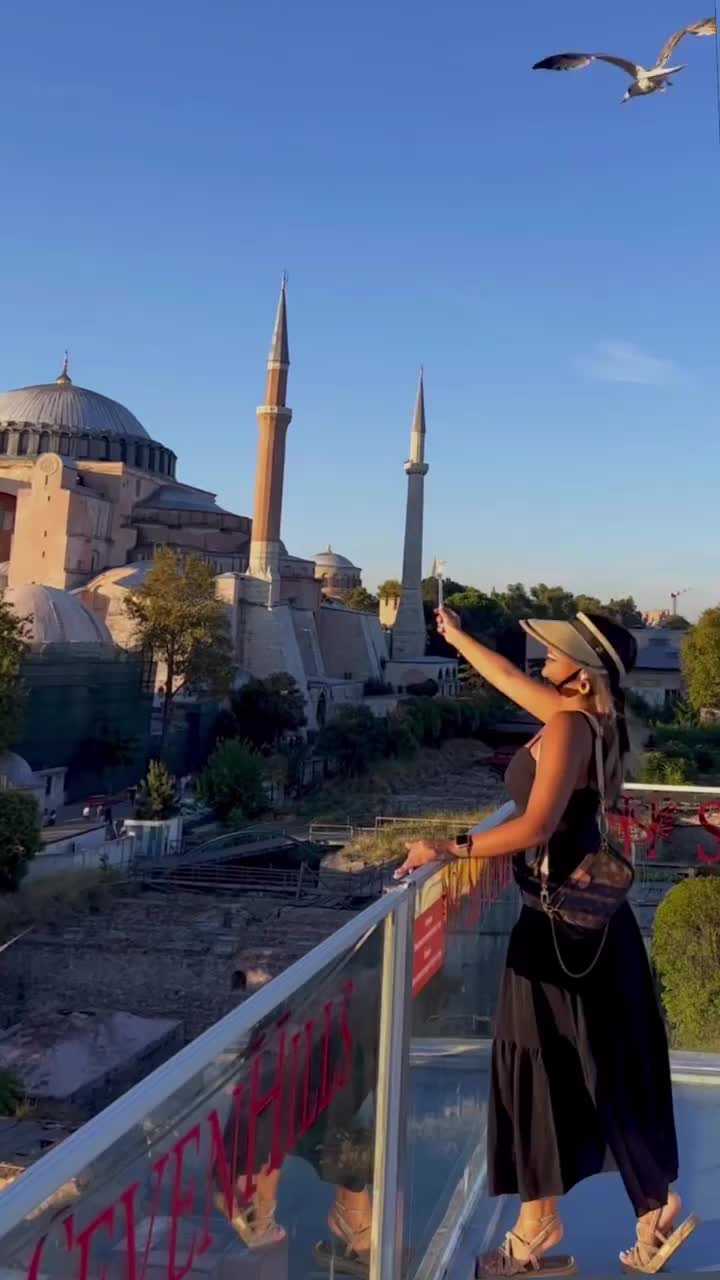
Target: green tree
x,y
589,604
232,780
686,954
624,611
389,588
19,836
265,710
700,656
676,622
360,599
515,600
180,620
552,602
482,615
13,646
430,590
159,795
354,738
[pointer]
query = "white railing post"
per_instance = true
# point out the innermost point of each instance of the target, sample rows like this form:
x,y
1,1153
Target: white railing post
x,y
386,1257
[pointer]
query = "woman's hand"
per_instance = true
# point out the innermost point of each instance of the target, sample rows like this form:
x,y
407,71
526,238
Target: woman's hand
x,y
448,621
420,853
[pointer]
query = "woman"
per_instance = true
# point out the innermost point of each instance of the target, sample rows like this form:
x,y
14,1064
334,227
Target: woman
x,y
581,1072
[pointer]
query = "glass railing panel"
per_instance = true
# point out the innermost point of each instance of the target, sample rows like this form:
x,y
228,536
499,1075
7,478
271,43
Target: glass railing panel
x,y
234,1173
463,915
668,833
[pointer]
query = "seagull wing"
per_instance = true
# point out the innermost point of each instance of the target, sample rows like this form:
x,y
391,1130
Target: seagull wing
x,y
576,61
707,27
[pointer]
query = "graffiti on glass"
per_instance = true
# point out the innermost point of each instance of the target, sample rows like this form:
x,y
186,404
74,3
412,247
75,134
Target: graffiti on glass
x,y
289,1078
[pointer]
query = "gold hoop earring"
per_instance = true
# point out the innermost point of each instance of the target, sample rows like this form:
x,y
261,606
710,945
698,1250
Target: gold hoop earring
x,y
585,687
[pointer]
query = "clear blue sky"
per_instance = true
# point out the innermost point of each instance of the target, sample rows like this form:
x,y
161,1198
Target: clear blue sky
x,y
551,257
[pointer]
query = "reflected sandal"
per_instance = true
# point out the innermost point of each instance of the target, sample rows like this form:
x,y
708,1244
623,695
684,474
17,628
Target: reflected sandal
x,y
256,1226
348,1254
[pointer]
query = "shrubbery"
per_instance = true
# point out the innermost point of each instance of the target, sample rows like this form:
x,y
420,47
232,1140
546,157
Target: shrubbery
x,y
355,738
686,954
158,796
232,781
19,836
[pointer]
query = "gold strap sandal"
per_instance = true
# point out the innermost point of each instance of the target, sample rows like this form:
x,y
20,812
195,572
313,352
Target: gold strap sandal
x,y
653,1249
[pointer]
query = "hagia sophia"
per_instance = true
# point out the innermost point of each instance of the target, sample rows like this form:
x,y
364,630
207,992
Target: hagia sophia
x,y
87,493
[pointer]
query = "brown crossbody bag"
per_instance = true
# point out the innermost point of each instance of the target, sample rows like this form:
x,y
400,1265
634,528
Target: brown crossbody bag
x,y
598,886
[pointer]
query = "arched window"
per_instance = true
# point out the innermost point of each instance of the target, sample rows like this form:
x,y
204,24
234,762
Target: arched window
x,y
3,441
24,442
94,562
84,447
104,449
138,455
64,444
123,451
44,443
152,460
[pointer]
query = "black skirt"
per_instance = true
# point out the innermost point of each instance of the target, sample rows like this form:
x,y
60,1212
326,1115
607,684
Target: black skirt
x,y
581,1070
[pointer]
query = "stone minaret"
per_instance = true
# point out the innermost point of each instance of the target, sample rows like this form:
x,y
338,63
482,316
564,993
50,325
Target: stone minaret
x,y
273,421
408,635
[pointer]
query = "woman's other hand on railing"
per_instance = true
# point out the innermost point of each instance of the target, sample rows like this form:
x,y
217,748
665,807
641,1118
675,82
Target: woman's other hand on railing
x,y
420,853
448,622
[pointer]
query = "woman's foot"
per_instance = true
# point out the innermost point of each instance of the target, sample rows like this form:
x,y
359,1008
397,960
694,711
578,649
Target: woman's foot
x,y
526,1250
349,1252
658,1238
255,1223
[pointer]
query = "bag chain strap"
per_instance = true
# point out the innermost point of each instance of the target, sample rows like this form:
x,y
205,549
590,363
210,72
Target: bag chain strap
x,y
604,829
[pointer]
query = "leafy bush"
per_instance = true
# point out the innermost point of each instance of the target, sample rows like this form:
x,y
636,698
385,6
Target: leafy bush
x,y
673,771
424,689
19,836
354,737
11,1093
686,954
158,798
374,688
233,780
689,735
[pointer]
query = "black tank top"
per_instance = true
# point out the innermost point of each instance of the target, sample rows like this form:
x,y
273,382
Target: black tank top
x,y
577,834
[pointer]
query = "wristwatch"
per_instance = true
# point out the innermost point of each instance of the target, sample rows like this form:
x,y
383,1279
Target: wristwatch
x,y
464,841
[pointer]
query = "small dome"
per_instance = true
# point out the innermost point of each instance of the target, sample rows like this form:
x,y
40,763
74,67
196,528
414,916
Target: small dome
x,y
330,560
66,407
55,617
14,771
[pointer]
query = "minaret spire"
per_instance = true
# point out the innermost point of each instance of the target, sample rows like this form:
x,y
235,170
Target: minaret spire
x,y
274,418
417,434
408,636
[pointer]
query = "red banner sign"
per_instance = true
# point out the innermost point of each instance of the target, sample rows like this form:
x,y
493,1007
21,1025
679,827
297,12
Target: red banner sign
x,y
428,945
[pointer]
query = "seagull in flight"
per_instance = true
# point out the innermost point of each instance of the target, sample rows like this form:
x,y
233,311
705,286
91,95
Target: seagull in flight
x,y
644,81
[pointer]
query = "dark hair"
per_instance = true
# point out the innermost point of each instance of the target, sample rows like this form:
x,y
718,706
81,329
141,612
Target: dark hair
x,y
625,646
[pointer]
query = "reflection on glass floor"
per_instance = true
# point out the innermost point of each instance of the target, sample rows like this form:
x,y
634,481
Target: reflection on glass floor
x,y
447,1102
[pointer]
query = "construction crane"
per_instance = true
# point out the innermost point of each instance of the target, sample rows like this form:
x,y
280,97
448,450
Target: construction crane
x,y
675,595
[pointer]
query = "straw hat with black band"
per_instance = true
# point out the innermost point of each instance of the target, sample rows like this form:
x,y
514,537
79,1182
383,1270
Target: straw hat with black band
x,y
594,642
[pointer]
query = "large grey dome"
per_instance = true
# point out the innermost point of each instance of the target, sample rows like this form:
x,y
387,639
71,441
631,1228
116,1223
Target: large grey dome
x,y
69,408
55,616
331,560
